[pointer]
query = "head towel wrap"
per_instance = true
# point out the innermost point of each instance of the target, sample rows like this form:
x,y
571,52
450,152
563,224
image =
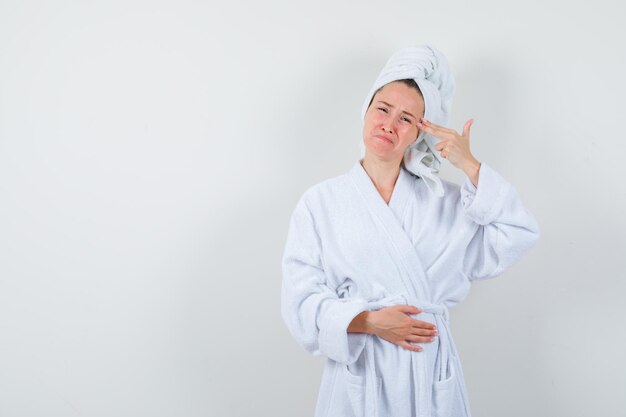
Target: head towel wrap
x,y
430,70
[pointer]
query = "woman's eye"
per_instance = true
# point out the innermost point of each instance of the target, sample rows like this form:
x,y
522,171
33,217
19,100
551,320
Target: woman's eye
x,y
406,119
383,109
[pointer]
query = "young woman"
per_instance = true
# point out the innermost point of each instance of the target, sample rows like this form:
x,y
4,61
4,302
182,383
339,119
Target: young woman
x,y
375,257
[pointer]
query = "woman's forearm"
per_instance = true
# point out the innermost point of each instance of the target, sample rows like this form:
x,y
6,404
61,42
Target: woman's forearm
x,y
359,323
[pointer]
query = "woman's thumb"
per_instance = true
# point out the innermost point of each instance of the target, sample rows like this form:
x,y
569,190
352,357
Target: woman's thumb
x,y
410,309
466,128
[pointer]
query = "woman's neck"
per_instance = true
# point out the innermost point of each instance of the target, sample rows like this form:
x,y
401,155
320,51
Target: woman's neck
x,y
383,174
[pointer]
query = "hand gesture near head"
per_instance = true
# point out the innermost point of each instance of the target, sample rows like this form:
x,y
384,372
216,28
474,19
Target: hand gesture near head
x,y
454,147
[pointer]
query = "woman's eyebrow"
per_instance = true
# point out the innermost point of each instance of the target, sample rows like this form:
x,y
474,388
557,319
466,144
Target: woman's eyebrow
x,y
389,105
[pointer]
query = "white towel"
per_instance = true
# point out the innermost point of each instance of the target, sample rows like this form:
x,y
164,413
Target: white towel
x,y
430,69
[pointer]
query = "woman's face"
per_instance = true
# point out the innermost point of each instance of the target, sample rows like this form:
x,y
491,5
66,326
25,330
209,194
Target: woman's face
x,y
390,121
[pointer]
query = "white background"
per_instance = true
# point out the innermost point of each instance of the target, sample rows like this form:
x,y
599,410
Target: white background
x,y
151,154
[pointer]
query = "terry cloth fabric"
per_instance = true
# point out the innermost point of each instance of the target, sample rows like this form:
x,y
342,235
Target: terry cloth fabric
x,y
431,71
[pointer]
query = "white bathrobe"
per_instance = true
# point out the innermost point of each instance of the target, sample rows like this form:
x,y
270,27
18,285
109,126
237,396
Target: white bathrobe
x,y
347,251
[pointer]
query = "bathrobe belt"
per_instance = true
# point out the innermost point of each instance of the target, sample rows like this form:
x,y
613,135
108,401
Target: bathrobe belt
x,y
446,353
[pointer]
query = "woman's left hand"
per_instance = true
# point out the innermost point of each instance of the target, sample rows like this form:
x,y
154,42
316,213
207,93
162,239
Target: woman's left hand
x,y
454,147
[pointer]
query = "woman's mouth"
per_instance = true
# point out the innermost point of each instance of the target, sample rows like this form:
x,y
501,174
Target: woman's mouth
x,y
383,138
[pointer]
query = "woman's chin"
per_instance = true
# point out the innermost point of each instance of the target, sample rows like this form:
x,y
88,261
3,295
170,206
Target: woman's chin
x,y
380,146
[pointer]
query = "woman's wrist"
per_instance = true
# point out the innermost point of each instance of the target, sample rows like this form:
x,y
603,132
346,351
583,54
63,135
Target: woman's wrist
x,y
360,323
472,170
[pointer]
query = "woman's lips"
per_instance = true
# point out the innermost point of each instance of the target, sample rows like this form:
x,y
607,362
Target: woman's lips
x,y
384,138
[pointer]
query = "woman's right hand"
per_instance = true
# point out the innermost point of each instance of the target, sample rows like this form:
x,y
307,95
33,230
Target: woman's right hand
x,y
396,326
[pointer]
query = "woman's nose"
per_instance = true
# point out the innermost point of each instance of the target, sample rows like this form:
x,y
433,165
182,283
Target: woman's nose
x,y
387,128
387,125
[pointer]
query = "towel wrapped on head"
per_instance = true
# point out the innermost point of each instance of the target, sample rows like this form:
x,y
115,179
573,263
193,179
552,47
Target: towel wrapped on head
x,y
431,71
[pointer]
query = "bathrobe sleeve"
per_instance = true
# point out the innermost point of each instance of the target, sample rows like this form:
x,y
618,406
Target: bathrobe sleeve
x,y
507,229
315,315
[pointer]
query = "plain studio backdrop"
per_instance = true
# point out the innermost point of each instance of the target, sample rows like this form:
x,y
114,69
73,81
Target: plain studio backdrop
x,y
151,154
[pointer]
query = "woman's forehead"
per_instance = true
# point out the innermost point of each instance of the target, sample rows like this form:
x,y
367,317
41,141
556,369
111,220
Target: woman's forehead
x,y
399,94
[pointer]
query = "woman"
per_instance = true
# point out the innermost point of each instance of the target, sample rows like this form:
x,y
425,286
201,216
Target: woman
x,y
375,257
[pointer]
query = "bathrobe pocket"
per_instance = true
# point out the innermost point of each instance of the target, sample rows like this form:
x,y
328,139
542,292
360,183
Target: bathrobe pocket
x,y
355,388
446,394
